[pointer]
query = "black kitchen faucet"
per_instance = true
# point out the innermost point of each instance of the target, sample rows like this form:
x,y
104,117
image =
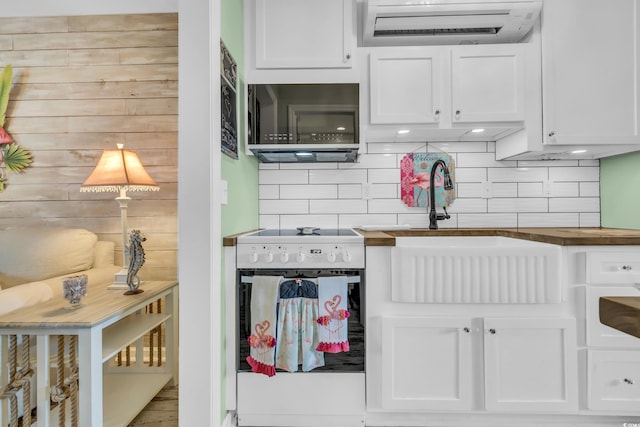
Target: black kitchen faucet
x,y
434,217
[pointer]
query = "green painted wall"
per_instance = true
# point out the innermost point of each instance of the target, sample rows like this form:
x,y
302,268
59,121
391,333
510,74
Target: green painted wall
x,y
620,191
241,212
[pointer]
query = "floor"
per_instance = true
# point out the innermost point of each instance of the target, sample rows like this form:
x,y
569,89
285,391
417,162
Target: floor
x,y
162,411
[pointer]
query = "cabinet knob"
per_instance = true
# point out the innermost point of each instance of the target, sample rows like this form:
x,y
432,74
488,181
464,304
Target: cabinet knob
x,y
626,268
492,331
552,134
457,114
437,113
347,57
467,330
628,381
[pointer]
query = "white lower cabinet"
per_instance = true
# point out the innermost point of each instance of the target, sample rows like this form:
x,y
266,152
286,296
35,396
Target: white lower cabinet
x,y
614,380
426,363
444,363
530,365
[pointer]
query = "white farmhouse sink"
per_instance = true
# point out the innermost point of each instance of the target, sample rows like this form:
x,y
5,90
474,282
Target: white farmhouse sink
x,y
482,269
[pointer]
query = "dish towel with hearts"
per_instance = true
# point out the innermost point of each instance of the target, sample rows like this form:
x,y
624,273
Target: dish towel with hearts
x,y
333,314
262,341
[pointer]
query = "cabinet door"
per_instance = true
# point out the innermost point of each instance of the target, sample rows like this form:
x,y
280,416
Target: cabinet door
x,y
304,34
530,365
591,77
426,363
614,380
487,83
405,85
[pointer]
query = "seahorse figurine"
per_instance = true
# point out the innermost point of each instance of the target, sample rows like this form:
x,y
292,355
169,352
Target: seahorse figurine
x,y
136,260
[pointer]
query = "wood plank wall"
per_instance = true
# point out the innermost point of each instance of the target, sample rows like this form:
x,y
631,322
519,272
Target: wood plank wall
x,y
83,84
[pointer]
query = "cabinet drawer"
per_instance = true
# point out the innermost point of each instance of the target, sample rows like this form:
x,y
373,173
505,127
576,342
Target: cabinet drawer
x,y
614,381
602,335
613,267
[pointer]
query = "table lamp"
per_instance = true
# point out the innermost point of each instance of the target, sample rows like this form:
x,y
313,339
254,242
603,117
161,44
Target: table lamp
x,y
120,171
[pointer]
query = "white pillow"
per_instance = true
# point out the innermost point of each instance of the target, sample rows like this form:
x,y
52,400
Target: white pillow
x,y
30,254
24,296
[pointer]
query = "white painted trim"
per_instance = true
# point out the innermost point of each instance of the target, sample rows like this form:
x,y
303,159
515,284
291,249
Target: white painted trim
x,y
199,228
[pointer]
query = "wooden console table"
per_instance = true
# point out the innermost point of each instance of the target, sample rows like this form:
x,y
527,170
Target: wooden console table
x,y
107,322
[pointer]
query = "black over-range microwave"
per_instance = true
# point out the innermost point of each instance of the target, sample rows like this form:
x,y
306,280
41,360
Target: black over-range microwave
x,y
303,122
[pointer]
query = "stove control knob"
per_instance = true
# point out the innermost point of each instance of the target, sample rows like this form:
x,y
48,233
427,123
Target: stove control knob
x,y
268,257
346,256
300,256
284,257
331,257
253,257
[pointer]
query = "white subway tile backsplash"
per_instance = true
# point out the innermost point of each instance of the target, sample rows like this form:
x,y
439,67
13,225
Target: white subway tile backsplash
x,y
342,206
483,160
268,192
518,205
504,189
539,193
468,189
548,219
338,176
564,189
385,191
582,173
530,189
517,174
277,176
589,189
328,191
284,207
468,206
575,204
470,174
347,220
379,206
349,191
320,221
269,221
589,162
491,220
268,166
589,219
388,176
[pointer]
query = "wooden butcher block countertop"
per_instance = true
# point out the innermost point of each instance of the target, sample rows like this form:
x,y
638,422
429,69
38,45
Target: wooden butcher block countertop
x,y
621,313
555,236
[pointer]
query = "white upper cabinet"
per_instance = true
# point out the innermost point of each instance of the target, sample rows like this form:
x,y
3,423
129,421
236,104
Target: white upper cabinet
x,y
448,90
304,34
487,83
591,75
406,85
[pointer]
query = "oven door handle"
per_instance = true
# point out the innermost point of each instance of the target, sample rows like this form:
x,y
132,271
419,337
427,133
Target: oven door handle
x,y
350,279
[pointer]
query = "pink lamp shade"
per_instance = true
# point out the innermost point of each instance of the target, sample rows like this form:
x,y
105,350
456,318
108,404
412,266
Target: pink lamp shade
x,y
117,170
